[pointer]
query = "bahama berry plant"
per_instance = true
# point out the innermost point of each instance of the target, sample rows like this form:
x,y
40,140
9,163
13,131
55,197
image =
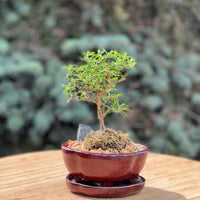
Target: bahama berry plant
x,y
95,81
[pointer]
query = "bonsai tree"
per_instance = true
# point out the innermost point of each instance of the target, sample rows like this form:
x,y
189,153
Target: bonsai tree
x,y
95,81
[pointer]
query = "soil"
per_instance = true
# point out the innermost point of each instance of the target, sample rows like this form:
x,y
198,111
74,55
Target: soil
x,y
108,141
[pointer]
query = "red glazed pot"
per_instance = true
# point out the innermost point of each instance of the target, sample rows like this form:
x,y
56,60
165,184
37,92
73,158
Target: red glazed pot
x,y
103,167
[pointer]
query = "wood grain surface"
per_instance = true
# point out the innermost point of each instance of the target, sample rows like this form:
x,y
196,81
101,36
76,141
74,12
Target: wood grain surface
x,y
41,176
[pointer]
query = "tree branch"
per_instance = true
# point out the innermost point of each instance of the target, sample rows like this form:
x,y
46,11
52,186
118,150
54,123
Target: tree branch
x,y
90,98
84,87
106,112
87,100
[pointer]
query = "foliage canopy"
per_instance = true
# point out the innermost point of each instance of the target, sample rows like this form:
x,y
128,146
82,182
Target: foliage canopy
x,y
96,80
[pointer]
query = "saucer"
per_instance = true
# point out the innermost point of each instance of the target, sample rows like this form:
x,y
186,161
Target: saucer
x,y
118,189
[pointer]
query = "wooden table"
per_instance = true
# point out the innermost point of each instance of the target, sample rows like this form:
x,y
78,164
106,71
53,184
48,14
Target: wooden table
x,y
41,176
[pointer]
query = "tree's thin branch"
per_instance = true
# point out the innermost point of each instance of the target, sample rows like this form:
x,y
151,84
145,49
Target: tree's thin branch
x,y
88,100
108,98
84,87
106,112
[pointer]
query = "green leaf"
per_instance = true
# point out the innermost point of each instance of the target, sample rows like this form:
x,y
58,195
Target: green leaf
x,y
99,76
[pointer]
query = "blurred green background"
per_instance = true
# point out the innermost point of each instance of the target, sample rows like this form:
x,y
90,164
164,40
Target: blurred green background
x,y
38,37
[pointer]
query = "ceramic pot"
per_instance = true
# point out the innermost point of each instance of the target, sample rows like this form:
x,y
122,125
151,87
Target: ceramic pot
x,y
103,168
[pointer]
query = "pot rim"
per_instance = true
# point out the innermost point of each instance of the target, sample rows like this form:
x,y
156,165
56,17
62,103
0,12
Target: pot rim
x,y
64,147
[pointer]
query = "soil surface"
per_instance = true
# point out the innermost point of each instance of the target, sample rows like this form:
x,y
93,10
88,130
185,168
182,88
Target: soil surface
x,y
108,141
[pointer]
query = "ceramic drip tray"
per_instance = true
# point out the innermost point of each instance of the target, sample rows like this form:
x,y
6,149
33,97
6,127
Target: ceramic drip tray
x,y
116,189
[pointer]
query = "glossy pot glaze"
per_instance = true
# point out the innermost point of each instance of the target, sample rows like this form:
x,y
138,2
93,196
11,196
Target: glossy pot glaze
x,y
105,168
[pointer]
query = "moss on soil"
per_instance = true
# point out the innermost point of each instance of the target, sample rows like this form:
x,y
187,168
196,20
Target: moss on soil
x,y
108,141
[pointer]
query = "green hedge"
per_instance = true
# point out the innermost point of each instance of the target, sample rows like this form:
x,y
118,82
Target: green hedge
x,y
34,113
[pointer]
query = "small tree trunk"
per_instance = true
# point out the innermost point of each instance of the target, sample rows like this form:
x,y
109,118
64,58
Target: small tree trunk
x,y
100,114
102,125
